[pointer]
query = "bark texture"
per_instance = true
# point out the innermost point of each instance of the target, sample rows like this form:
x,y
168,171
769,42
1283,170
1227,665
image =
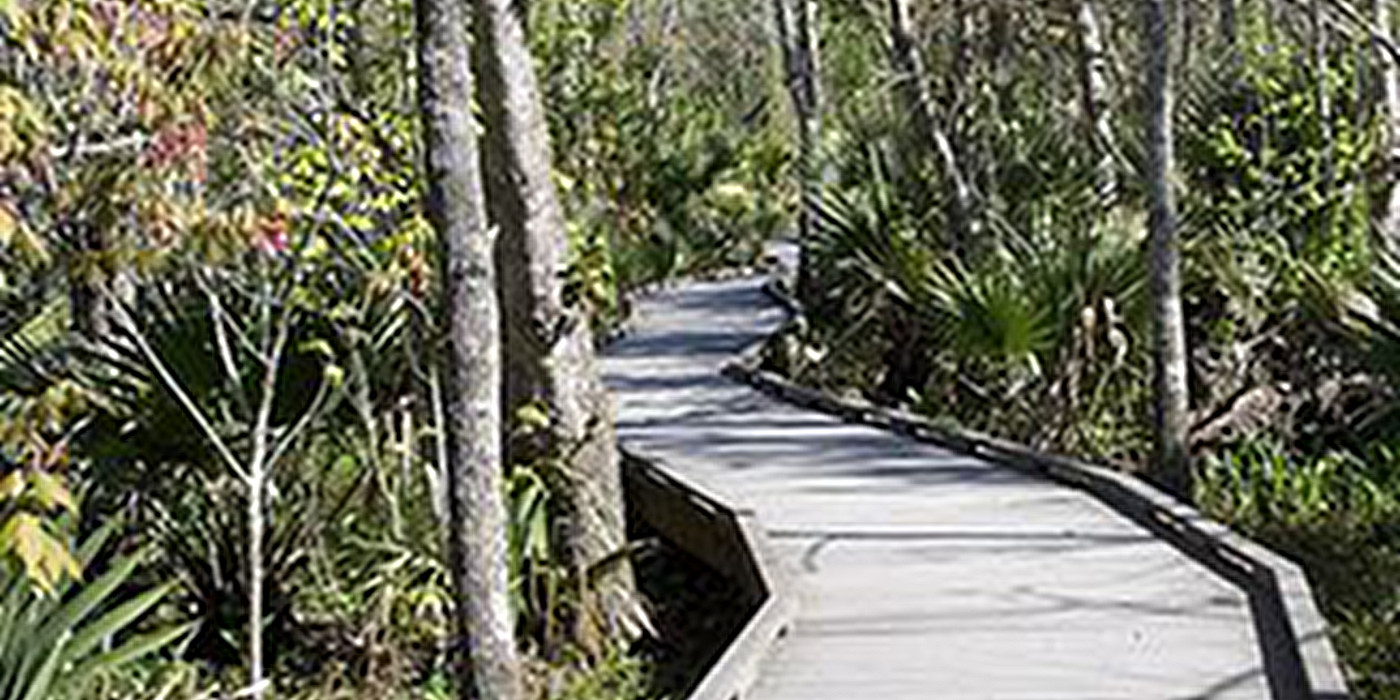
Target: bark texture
x,y
798,30
1093,80
551,360
908,63
1322,95
1171,465
485,658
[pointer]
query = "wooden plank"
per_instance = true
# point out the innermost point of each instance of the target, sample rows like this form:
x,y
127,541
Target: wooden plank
x,y
728,541
926,565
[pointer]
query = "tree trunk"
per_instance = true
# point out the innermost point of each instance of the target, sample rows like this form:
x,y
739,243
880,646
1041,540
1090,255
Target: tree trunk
x,y
88,304
798,31
1171,465
548,339
909,65
1322,94
1389,79
485,657
1093,81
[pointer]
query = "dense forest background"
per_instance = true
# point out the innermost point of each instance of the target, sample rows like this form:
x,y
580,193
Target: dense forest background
x,y
1159,234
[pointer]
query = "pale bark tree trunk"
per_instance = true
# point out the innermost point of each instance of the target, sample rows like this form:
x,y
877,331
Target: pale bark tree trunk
x,y
909,65
1389,78
1093,81
1171,465
997,52
798,31
548,338
273,345
88,307
1322,94
96,287
485,659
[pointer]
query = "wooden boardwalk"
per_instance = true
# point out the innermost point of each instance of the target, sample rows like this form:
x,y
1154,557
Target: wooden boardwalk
x,y
922,573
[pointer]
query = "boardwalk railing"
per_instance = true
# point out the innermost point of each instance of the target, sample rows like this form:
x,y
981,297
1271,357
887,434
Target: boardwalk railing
x,y
728,540
1298,657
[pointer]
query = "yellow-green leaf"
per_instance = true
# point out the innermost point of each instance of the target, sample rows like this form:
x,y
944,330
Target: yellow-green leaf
x,y
532,417
12,485
43,556
51,492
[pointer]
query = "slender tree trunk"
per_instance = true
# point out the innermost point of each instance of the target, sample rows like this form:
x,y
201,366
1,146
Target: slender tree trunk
x,y
1389,78
783,24
548,337
909,64
1323,95
997,50
485,657
87,304
95,286
1093,81
798,29
1171,467
257,491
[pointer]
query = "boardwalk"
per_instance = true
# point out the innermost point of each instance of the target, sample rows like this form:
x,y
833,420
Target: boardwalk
x,y
922,573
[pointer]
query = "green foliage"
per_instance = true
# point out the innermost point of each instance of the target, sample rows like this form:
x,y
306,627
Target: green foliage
x,y
616,677
1037,339
1257,484
37,403
1038,329
659,181
1338,515
1263,161
53,642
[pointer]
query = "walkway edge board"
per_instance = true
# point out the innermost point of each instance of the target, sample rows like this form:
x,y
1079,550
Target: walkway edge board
x,y
1299,659
728,539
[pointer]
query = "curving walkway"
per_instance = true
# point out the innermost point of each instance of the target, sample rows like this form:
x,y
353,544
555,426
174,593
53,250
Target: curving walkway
x,y
920,572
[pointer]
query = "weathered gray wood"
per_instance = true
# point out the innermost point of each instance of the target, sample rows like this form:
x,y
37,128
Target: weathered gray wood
x,y
730,541
925,572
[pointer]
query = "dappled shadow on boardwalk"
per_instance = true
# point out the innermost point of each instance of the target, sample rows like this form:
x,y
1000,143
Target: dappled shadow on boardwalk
x,y
689,344
923,572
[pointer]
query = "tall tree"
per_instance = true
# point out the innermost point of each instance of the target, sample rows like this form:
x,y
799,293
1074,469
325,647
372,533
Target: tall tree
x,y
551,362
486,661
1093,80
1171,465
798,30
908,63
